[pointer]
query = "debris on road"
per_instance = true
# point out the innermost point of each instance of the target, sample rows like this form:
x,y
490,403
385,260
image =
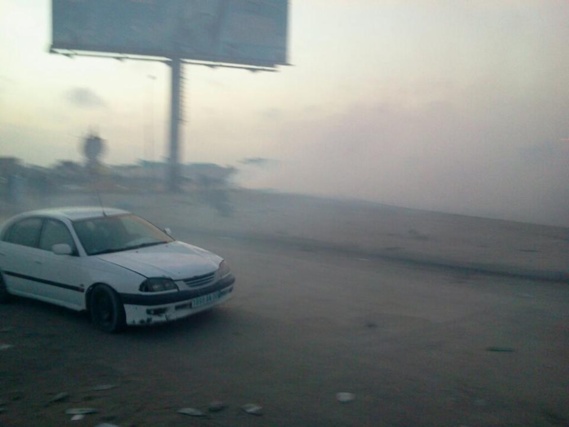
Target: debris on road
x,y
345,397
5,346
59,397
252,409
192,412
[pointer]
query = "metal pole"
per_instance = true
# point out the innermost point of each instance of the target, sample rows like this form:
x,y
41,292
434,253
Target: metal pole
x,y
173,181
149,148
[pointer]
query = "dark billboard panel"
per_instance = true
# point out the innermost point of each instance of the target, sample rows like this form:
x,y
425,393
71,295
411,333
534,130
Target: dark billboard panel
x,y
247,32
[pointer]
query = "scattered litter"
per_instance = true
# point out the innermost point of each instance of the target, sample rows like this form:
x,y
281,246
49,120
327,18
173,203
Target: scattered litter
x,y
253,409
192,412
59,397
80,411
500,349
345,397
102,387
5,346
77,417
216,406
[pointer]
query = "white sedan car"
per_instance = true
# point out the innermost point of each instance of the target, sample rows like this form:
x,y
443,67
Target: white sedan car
x,y
117,266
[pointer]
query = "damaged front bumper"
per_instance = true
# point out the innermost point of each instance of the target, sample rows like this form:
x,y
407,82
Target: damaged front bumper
x,y
165,307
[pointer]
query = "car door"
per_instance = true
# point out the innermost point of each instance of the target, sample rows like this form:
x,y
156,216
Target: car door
x,y
64,277
20,257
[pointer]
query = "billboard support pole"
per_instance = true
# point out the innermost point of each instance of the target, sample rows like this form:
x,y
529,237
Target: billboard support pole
x,y
173,178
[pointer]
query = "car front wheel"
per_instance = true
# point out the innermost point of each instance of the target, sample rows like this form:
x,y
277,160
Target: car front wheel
x,y
4,295
107,311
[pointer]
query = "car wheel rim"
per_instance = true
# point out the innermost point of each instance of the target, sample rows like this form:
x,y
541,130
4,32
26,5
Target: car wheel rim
x,y
104,309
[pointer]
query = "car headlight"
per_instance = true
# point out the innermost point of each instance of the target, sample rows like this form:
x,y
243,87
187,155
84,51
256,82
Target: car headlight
x,y
158,284
223,270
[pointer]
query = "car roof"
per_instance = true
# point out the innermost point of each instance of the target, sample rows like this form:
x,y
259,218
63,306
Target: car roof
x,y
74,213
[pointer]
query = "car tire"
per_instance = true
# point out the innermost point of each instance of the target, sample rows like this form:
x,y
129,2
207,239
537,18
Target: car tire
x,y
4,294
106,309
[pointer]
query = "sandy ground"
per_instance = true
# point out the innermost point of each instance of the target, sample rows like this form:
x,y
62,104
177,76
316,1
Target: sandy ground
x,y
321,306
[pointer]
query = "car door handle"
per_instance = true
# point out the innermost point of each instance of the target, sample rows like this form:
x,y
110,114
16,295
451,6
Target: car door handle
x,y
38,262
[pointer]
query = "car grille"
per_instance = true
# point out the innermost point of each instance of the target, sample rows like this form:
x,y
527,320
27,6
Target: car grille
x,y
202,280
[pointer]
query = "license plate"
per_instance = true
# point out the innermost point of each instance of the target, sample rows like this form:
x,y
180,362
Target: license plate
x,y
205,300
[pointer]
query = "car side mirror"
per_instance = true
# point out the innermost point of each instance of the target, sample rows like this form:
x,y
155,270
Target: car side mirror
x,y
168,231
61,249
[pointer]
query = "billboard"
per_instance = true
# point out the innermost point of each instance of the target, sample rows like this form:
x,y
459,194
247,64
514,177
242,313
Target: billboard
x,y
246,32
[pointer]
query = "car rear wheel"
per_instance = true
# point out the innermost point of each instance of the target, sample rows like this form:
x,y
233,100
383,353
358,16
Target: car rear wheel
x,y
4,295
107,311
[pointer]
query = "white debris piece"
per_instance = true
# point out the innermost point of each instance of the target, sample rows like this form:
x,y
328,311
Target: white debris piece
x,y
253,409
345,397
192,412
59,397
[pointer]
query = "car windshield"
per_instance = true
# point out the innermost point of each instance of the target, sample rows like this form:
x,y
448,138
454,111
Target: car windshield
x,y
117,233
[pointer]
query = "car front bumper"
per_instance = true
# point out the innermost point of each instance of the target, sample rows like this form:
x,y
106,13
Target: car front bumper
x,y
165,307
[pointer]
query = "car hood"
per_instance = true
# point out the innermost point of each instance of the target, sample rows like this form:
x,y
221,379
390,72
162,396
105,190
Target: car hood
x,y
176,260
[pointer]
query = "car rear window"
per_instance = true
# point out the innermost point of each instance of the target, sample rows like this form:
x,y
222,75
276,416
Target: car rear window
x,y
25,232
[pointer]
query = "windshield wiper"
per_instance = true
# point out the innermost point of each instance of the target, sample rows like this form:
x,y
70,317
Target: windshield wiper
x,y
142,245
107,251
127,248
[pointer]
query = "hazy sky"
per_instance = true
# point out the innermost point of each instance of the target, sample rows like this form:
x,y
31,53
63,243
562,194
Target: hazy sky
x,y
452,105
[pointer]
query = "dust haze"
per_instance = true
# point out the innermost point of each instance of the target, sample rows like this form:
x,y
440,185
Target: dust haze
x,y
457,109
481,152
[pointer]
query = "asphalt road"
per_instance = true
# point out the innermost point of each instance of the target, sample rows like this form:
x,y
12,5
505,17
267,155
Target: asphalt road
x,y
417,346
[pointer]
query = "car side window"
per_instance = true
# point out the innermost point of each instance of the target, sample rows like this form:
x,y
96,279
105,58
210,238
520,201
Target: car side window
x,y
53,233
25,232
